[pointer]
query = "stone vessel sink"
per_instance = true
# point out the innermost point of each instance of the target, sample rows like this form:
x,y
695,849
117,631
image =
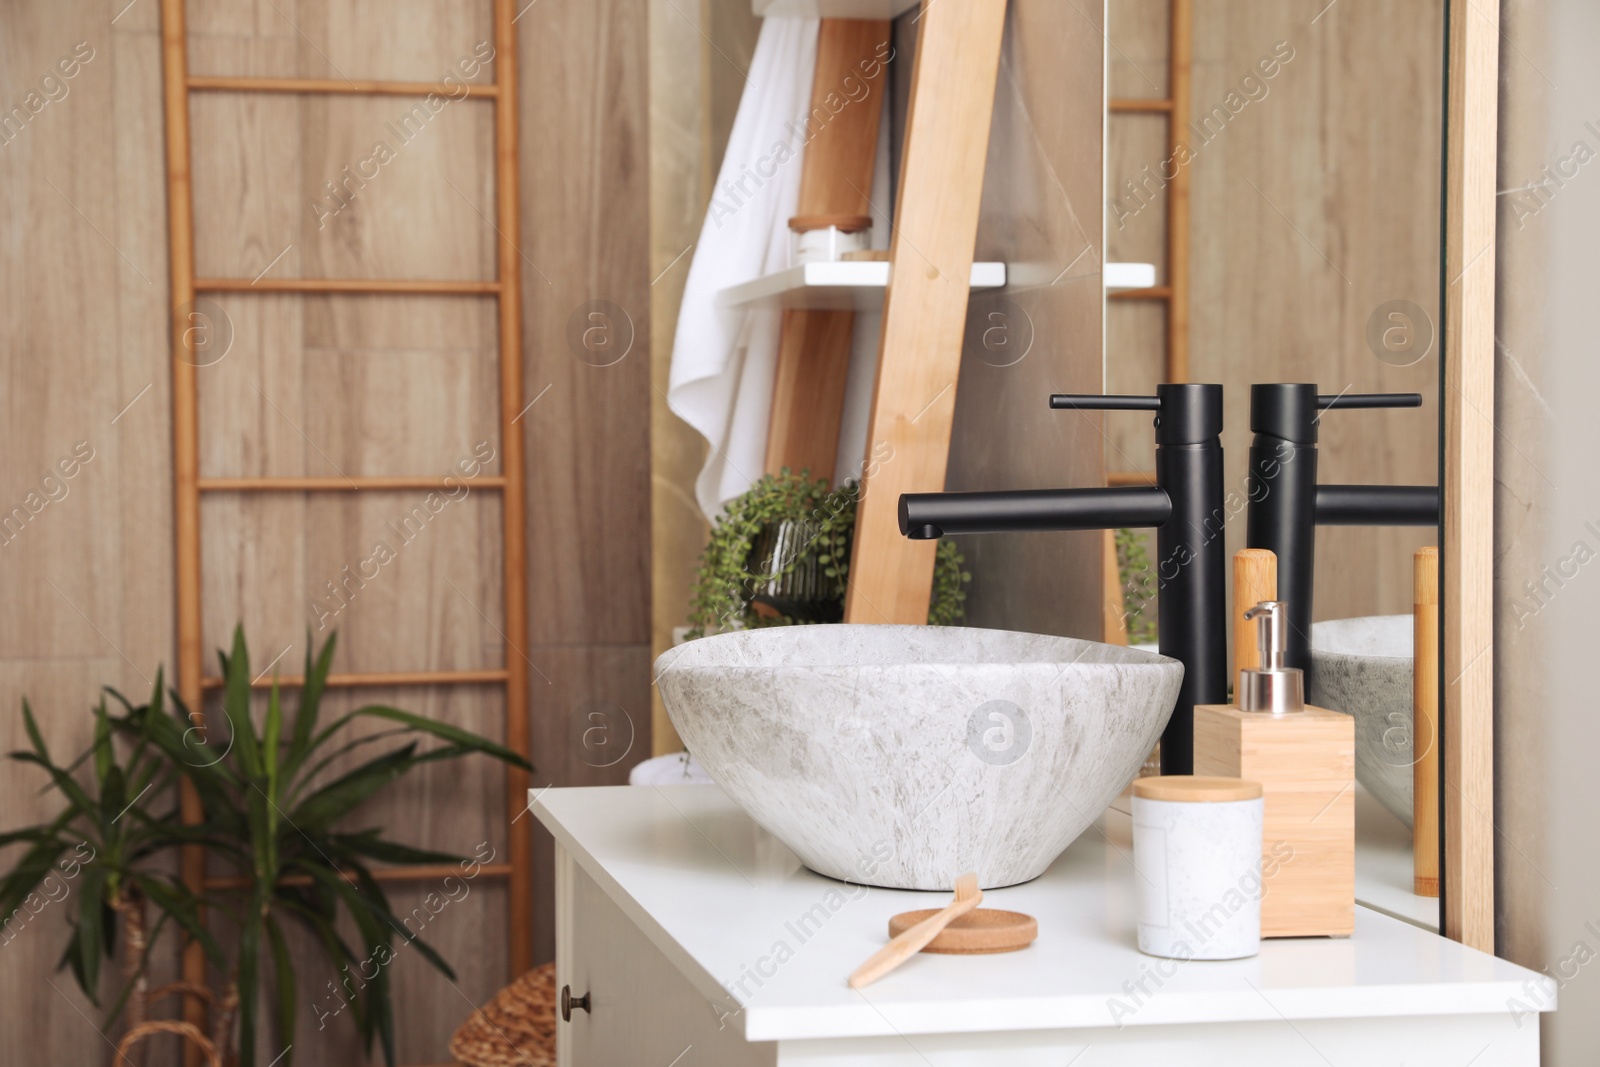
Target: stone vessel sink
x,y
1362,667
903,756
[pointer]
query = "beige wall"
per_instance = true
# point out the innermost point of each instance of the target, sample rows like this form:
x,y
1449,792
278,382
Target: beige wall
x,y
1547,873
322,386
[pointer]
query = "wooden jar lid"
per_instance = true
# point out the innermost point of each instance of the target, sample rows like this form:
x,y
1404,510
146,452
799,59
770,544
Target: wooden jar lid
x,y
1195,789
979,932
847,223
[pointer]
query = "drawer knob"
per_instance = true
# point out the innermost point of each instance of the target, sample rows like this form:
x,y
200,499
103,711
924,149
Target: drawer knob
x,y
568,1002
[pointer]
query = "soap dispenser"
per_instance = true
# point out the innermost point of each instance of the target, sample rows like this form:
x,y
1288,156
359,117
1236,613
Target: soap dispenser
x,y
1304,758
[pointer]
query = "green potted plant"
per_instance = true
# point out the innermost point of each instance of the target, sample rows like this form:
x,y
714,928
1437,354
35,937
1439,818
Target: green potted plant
x,y
274,809
780,555
101,859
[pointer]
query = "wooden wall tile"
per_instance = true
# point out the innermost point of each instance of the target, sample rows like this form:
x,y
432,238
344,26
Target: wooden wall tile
x,y
591,724
585,237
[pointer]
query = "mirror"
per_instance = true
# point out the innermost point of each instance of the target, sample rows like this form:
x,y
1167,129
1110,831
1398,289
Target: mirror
x,y
1282,167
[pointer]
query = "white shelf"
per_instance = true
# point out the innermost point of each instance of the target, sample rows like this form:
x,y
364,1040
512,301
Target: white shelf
x,y
844,285
833,9
1130,276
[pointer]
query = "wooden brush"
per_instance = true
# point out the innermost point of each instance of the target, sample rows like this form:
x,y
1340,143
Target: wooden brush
x,y
908,944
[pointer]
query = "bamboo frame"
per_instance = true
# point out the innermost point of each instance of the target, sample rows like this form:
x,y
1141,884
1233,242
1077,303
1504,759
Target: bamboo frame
x,y
507,212
386,875
359,484
1138,105
188,486
334,86
1467,477
185,452
378,679
409,286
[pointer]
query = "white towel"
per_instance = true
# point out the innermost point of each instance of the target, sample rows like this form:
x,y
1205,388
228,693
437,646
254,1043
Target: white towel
x,y
723,359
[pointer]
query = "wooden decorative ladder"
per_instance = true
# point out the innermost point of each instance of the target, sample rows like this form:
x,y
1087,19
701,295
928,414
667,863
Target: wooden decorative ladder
x,y
935,230
189,486
925,307
1175,294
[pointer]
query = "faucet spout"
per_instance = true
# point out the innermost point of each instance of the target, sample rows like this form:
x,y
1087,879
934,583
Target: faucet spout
x,y
925,516
1186,508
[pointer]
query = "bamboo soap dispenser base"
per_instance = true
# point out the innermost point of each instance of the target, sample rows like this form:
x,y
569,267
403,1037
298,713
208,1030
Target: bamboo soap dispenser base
x,y
1303,756
1306,764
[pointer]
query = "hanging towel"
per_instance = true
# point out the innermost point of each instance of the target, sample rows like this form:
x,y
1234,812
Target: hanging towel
x,y
723,359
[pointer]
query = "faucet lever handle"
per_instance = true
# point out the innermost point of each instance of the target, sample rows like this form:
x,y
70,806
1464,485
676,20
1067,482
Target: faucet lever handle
x,y
1342,401
1095,402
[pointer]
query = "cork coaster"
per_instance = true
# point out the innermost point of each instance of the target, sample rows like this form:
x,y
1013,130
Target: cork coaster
x,y
978,932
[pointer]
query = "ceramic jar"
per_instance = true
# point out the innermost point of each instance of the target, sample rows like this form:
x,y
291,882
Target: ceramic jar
x,y
1197,859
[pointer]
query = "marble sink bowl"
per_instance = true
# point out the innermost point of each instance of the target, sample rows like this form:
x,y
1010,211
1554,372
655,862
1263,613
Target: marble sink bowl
x,y
1362,667
903,756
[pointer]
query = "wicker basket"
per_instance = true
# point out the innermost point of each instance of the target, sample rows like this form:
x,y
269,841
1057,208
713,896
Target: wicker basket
x,y
515,1029
188,1031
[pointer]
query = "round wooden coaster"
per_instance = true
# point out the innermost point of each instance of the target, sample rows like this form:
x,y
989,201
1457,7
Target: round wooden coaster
x,y
979,931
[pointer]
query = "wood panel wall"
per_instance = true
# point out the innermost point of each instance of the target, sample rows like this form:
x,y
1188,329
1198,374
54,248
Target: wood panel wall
x,y
87,577
324,386
1315,204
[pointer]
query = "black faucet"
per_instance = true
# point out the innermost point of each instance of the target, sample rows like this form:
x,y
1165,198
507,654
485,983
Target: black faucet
x,y
1287,505
1185,507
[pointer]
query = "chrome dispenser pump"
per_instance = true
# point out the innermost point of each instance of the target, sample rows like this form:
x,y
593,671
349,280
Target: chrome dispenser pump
x,y
1272,687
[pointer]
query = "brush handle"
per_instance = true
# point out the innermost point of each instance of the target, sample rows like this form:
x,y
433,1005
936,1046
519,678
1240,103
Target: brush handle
x,y
910,943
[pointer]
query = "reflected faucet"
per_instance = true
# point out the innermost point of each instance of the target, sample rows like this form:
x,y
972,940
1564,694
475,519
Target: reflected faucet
x,y
1287,505
1186,509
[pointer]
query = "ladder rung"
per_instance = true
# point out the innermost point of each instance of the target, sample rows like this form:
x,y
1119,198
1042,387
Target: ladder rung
x,y
1130,478
344,485
380,680
427,873
340,86
1138,105
345,285
1159,292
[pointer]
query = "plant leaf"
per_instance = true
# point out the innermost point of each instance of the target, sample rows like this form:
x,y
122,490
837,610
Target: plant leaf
x,y
91,928
320,809
368,843
249,977
236,705
103,759
454,734
283,971
180,904
305,720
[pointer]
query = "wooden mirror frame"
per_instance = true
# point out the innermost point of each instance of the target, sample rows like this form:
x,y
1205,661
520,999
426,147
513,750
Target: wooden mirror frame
x,y
1467,476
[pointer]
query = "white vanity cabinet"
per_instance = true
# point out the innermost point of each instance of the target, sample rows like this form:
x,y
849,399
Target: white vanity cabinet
x,y
701,942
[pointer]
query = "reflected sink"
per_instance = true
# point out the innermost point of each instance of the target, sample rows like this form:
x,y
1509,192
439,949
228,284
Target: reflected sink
x,y
1362,667
903,756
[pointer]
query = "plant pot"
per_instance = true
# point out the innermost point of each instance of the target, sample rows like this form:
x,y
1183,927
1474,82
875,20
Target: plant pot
x,y
787,577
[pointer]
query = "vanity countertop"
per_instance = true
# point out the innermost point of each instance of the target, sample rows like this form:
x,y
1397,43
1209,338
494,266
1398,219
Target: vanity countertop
x,y
732,909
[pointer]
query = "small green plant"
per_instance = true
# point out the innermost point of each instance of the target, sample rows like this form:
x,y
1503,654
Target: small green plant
x,y
730,584
99,860
1138,586
272,814
274,804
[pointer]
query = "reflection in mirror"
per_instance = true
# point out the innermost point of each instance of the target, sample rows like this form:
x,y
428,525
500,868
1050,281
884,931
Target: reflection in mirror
x,y
1280,165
